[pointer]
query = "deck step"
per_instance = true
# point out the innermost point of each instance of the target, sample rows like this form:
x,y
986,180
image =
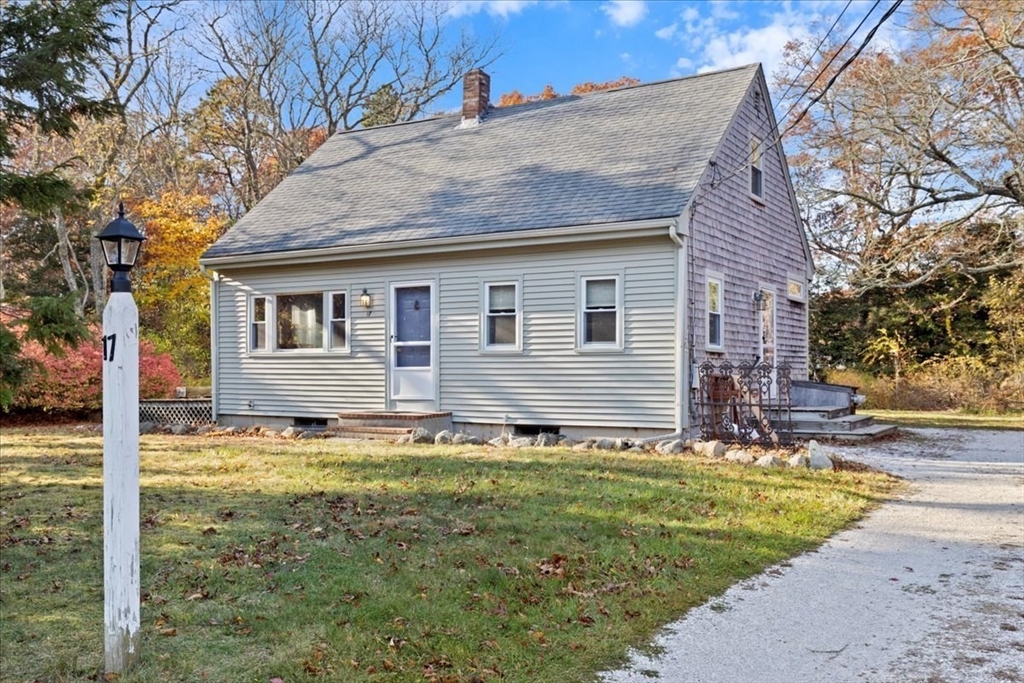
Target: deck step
x,y
845,423
864,433
815,412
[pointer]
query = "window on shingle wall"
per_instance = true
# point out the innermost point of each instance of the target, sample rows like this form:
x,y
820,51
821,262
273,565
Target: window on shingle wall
x,y
714,286
757,167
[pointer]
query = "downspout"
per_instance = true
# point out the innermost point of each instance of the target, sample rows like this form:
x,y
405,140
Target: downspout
x,y
679,232
214,278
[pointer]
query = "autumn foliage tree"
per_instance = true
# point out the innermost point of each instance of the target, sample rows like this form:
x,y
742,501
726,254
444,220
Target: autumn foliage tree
x,y
548,92
173,295
911,166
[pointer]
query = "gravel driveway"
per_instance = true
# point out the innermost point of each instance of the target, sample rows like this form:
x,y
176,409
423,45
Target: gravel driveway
x,y
927,588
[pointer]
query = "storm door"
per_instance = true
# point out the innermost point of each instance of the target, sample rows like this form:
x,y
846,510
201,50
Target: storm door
x,y
413,358
767,354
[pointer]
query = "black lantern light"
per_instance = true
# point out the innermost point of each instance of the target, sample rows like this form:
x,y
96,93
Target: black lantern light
x,y
121,241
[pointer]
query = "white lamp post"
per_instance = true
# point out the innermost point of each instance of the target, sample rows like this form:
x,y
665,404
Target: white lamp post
x,y
121,583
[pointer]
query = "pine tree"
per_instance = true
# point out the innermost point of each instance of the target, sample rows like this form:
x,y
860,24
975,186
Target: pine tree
x,y
45,48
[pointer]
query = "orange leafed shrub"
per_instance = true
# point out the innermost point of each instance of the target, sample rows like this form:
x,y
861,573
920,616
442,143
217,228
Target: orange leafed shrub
x,y
74,382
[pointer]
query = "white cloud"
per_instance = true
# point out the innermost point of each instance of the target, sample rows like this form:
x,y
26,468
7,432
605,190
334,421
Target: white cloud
x,y
720,10
712,39
625,13
667,32
747,45
500,8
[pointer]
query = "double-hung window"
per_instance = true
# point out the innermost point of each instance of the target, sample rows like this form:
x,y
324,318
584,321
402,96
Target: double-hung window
x,y
601,313
715,295
502,316
339,320
258,315
757,167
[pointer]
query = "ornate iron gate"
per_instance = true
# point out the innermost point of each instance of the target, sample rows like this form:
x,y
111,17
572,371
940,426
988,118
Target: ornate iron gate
x,y
746,402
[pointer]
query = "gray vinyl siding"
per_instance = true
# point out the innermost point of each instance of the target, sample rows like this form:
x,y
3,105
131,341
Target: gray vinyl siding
x,y
550,382
751,243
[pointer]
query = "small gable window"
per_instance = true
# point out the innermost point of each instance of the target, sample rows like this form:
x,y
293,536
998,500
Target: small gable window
x,y
757,168
501,315
714,290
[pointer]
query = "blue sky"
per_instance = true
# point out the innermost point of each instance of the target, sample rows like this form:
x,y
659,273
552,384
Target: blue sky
x,y
567,42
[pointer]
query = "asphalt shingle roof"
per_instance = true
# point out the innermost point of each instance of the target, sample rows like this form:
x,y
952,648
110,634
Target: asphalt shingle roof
x,y
622,155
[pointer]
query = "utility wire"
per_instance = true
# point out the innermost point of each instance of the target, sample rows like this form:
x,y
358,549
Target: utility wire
x,y
843,67
814,53
825,89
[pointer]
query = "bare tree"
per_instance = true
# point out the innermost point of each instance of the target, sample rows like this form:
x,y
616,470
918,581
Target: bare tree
x,y
912,164
301,71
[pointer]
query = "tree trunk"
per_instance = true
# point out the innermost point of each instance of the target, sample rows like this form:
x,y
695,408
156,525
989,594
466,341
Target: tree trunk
x,y
69,263
98,264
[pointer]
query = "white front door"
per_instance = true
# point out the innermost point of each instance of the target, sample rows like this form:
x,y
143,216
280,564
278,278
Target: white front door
x,y
413,347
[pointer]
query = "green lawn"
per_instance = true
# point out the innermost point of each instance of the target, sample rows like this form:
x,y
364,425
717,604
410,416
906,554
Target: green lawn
x,y
325,560
948,418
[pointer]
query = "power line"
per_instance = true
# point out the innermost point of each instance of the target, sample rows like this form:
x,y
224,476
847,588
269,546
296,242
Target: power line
x,y
835,54
843,67
814,52
828,85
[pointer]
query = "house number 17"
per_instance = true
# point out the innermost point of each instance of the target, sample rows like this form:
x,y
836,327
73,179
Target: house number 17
x,y
108,351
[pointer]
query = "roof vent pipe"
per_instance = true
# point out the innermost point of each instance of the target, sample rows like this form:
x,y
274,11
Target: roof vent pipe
x,y
476,95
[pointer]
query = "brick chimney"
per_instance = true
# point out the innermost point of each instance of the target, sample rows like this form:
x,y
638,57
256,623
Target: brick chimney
x,y
476,95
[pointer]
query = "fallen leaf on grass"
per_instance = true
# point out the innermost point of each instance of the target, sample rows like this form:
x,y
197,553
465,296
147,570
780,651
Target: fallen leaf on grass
x,y
169,631
554,566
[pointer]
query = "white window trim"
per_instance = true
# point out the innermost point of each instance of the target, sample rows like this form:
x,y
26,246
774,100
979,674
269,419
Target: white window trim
x,y
329,321
271,324
250,322
797,279
516,348
581,296
756,161
711,275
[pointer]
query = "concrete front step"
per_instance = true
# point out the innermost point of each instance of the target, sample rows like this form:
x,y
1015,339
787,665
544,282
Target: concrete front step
x,y
358,432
